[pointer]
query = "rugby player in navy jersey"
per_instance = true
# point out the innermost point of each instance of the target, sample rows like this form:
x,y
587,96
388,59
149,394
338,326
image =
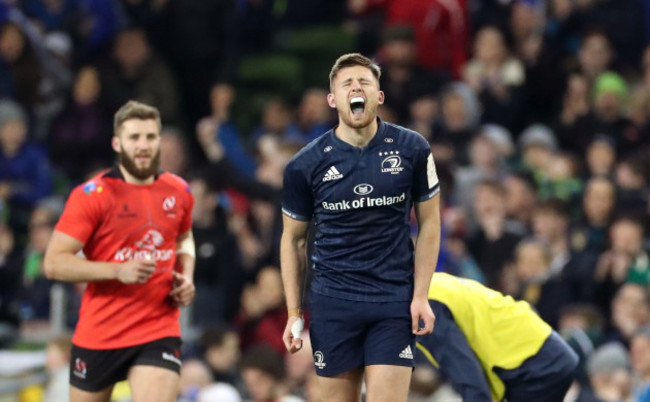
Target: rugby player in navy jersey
x,y
368,296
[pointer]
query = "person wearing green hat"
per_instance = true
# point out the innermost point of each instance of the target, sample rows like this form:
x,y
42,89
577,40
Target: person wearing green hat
x,y
610,95
607,117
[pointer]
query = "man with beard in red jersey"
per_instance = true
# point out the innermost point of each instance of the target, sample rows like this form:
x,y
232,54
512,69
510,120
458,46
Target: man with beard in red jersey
x,y
133,224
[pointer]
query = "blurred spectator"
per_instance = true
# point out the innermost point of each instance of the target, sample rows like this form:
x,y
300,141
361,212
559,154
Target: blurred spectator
x,y
538,144
640,358
631,187
441,29
600,157
200,39
621,20
265,376
459,120
493,245
562,178
26,51
609,374
607,118
521,198
218,274
589,232
22,72
314,114
638,110
219,127
550,223
540,54
58,369
595,55
486,164
53,15
174,155
263,314
497,78
220,347
428,385
25,174
630,311
403,79
582,325
540,283
625,262
278,121
195,375
501,139
575,102
134,71
422,115
219,392
80,136
35,293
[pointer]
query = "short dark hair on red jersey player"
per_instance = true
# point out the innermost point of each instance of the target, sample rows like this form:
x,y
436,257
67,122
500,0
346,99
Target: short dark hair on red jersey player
x,y
351,60
134,110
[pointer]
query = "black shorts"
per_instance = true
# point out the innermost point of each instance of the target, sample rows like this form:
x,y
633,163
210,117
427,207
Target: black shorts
x,y
94,370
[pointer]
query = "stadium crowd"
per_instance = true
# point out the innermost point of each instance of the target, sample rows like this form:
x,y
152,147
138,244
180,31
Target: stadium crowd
x,y
537,112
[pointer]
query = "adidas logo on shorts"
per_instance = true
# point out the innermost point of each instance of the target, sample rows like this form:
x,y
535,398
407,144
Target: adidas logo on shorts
x,y
332,174
406,353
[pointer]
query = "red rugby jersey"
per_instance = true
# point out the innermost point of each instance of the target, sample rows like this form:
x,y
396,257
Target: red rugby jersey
x,y
118,221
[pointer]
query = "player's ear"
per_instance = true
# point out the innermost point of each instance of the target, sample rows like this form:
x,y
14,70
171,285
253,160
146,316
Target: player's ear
x,y
330,100
381,97
115,143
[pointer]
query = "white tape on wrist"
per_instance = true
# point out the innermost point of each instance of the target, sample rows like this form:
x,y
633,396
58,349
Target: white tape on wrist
x,y
297,327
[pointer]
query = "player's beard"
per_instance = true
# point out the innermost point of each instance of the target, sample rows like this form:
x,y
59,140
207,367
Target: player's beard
x,y
369,115
139,173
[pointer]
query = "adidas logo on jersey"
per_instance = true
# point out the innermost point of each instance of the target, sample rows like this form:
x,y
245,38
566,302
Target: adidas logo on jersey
x,y
406,353
332,174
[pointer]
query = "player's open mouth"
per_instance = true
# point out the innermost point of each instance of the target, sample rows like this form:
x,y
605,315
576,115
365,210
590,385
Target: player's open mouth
x,y
357,105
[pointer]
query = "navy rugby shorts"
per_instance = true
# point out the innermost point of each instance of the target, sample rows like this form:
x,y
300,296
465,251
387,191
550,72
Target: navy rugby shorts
x,y
347,334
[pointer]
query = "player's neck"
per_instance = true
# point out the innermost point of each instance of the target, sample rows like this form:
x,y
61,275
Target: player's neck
x,y
129,178
357,137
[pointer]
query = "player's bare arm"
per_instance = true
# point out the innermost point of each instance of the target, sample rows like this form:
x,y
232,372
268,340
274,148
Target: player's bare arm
x,y
184,291
62,263
293,260
426,258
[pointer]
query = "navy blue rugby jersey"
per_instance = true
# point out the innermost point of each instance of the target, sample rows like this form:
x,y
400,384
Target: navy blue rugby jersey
x,y
361,200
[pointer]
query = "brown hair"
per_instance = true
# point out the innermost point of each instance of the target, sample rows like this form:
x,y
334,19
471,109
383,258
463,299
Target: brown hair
x,y
351,60
134,110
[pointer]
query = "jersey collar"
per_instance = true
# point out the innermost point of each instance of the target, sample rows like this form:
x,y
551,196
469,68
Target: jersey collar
x,y
379,135
116,173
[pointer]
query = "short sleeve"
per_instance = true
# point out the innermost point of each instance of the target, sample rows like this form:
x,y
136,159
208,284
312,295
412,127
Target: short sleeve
x,y
425,178
188,205
82,213
297,195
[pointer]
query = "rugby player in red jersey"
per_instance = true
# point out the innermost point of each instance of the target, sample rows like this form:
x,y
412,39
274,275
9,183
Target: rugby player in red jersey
x,y
133,224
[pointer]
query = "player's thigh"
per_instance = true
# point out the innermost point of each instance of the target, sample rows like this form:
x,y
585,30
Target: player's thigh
x,y
345,387
79,395
94,372
385,383
154,375
390,340
337,333
153,384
